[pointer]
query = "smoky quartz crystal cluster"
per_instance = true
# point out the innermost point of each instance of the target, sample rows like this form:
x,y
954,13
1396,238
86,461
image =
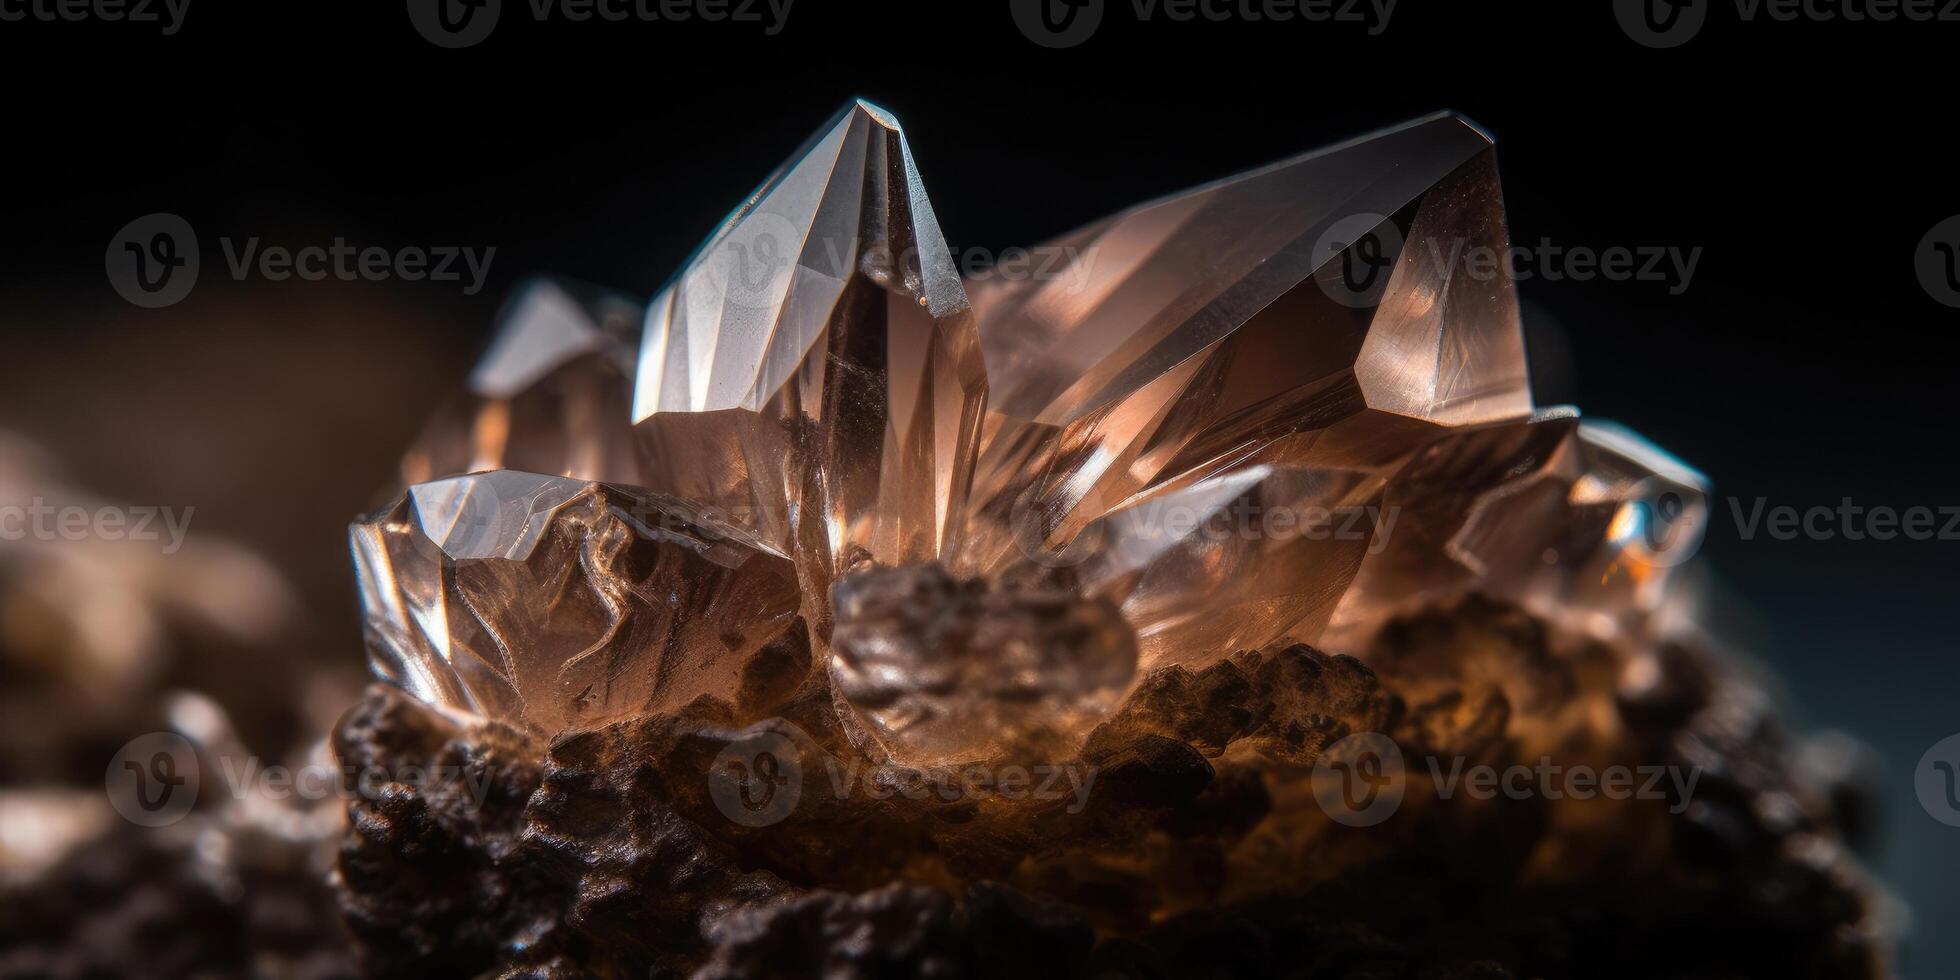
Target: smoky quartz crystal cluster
x,y
832,615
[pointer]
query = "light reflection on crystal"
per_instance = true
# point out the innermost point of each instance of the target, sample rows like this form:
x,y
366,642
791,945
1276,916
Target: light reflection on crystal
x,y
1431,497
550,395
813,372
1213,321
1216,563
560,603
1598,531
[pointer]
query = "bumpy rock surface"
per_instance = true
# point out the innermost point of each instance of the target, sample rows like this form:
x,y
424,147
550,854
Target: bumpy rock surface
x,y
140,903
1194,847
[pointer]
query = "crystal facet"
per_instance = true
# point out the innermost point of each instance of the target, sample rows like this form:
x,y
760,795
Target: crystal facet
x,y
1593,536
1319,314
1232,559
560,603
814,371
550,396
1431,497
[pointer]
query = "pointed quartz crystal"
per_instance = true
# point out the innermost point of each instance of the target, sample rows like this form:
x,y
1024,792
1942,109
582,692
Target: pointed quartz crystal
x,y
559,604
1322,312
813,373
550,396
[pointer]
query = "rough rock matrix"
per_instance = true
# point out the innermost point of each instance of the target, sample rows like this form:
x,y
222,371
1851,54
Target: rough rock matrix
x,y
1217,603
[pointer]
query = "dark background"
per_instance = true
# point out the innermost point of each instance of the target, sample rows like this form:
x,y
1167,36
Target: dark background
x,y
1805,363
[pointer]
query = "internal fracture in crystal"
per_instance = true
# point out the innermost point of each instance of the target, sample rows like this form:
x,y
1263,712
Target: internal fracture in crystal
x,y
558,603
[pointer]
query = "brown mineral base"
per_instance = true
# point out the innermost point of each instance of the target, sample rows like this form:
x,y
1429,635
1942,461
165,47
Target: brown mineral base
x,y
1202,852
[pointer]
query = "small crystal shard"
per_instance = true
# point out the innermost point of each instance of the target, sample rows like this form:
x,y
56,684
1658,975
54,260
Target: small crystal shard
x,y
813,373
1594,535
945,669
559,603
550,396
